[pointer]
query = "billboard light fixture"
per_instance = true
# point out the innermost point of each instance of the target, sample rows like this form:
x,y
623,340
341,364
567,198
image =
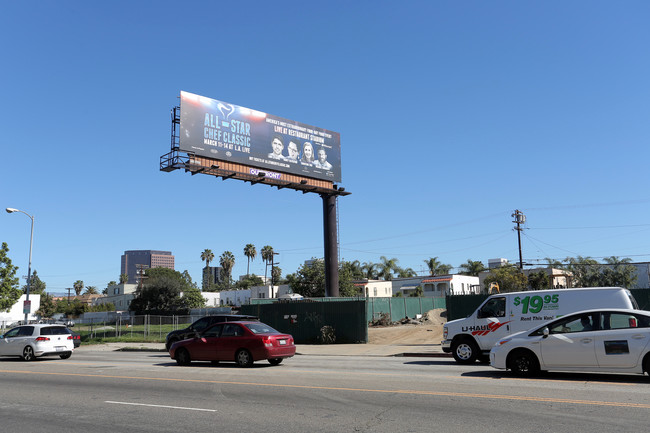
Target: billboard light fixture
x,y
214,166
303,182
261,174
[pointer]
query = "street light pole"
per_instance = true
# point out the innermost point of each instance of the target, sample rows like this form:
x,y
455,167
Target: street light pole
x,y
29,266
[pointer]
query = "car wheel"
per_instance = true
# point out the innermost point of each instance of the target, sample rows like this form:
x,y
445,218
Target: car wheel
x,y
275,361
28,353
243,358
523,363
183,357
169,343
65,355
646,364
464,351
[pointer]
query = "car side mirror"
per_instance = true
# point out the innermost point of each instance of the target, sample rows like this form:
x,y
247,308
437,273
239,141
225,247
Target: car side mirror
x,y
545,332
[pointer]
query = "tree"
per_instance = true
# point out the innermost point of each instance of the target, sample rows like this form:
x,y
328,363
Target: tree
x,y
207,256
355,269
250,252
405,273
124,278
161,294
267,256
436,267
387,266
370,270
249,281
91,290
585,271
9,291
188,278
618,272
309,281
192,298
509,278
276,275
71,309
539,280
227,261
417,293
472,267
48,307
78,287
37,287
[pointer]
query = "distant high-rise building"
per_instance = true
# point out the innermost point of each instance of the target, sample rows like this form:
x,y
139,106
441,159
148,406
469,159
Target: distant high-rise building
x,y
134,262
211,276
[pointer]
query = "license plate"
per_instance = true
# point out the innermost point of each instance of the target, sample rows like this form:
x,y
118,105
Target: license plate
x,y
59,348
283,342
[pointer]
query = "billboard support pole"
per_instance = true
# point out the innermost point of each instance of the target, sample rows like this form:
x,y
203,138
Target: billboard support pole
x,y
331,247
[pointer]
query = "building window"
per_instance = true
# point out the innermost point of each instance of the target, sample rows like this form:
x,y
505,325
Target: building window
x,y
375,290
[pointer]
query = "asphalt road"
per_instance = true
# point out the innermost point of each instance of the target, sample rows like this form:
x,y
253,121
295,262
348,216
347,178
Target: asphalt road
x,y
147,392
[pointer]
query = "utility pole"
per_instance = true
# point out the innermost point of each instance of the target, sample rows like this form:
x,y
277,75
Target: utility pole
x,y
140,268
520,219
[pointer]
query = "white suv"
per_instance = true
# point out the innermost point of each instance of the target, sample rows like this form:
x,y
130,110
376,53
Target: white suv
x,y
31,341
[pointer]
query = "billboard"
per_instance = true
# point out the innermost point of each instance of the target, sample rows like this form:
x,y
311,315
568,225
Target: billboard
x,y
227,132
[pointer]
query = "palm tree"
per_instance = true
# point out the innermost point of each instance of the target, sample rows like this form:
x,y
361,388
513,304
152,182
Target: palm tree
x,y
267,256
78,287
250,252
387,267
91,290
124,278
227,261
437,268
472,267
207,256
406,273
370,270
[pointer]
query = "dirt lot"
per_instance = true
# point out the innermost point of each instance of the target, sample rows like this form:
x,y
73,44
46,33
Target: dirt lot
x,y
429,332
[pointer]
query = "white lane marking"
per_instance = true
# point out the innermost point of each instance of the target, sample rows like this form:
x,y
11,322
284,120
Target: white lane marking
x,y
160,405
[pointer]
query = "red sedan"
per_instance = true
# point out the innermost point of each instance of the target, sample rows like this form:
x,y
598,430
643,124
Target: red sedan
x,y
242,342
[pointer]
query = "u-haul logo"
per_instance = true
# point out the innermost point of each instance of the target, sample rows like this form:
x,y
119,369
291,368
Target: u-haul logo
x,y
484,329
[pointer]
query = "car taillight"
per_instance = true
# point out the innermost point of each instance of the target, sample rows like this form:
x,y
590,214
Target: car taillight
x,y
268,342
42,339
70,337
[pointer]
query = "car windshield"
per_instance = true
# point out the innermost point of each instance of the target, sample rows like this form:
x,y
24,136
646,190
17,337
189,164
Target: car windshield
x,y
261,328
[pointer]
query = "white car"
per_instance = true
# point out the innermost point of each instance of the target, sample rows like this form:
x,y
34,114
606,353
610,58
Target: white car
x,y
603,340
31,341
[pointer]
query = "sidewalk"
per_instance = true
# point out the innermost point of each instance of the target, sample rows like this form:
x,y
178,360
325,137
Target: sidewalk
x,y
423,350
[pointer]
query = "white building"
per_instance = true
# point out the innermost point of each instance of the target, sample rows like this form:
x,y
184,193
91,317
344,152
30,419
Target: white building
x,y
119,295
438,286
238,298
16,313
375,288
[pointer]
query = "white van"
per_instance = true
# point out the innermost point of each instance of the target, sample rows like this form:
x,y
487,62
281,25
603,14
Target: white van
x,y
472,338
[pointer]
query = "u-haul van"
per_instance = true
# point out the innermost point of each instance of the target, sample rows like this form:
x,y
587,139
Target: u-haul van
x,y
502,314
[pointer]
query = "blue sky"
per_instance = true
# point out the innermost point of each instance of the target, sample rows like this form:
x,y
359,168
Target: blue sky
x,y
451,114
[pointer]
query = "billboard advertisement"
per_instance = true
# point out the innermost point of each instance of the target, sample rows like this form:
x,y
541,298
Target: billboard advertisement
x,y
227,132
